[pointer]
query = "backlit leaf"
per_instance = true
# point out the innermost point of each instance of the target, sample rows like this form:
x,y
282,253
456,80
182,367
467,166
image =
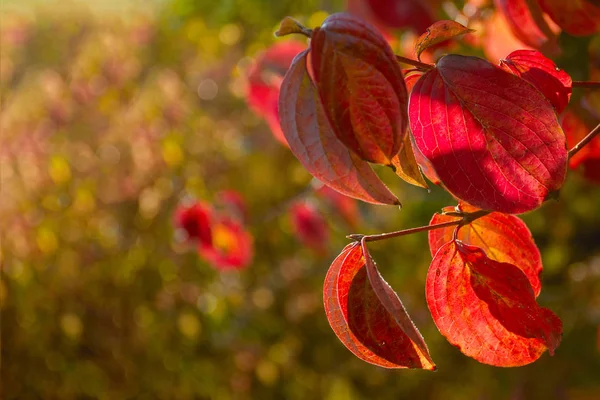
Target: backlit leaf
x,y
487,308
577,17
310,138
526,20
493,140
361,87
542,73
439,32
503,237
406,167
375,330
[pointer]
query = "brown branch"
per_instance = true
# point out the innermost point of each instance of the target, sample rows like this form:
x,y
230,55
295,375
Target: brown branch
x,y
586,84
584,141
420,65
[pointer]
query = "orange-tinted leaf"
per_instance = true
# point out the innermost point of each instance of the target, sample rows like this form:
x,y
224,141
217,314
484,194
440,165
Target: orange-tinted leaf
x,y
487,308
310,226
406,167
526,20
497,38
264,79
493,140
503,237
542,73
361,87
410,78
231,246
586,160
577,17
439,32
310,138
375,330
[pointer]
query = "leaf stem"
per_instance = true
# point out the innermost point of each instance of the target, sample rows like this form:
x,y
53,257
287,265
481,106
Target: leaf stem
x,y
381,236
586,84
420,65
584,141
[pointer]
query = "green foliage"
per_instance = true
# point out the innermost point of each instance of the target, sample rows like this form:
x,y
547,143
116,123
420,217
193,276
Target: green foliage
x,y
108,122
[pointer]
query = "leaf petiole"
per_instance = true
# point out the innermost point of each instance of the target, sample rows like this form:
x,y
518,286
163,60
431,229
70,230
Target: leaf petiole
x,y
420,65
586,84
584,141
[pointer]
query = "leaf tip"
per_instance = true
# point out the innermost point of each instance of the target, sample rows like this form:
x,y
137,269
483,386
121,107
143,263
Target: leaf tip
x,y
290,25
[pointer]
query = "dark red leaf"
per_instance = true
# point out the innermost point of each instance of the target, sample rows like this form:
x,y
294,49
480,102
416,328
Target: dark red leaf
x,y
493,140
375,330
577,17
526,20
437,33
361,87
312,141
542,73
487,308
195,220
310,227
403,13
503,237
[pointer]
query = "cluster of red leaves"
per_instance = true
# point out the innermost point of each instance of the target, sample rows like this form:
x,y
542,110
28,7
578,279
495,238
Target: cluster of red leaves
x,y
219,235
487,133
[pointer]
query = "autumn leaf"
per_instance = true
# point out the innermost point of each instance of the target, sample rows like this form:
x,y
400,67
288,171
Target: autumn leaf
x,y
361,87
487,308
406,167
264,80
312,141
309,226
541,72
195,220
367,315
437,33
526,20
503,237
576,17
231,246
494,141
586,160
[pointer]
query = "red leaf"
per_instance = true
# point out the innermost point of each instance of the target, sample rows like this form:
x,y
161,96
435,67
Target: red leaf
x,y
231,245
503,237
493,140
309,135
196,222
487,308
402,13
437,33
344,205
361,87
310,227
264,79
577,17
542,73
367,315
586,160
526,21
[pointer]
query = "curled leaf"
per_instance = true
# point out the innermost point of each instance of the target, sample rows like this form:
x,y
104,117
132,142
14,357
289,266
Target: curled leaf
x,y
542,73
406,167
361,87
437,33
503,237
289,26
312,141
367,315
487,308
493,140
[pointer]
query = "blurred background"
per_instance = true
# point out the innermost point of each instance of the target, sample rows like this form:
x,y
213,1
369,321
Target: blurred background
x,y
115,114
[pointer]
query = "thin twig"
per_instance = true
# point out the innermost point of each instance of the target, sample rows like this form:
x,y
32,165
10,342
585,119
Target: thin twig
x,y
381,236
586,84
420,65
584,141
